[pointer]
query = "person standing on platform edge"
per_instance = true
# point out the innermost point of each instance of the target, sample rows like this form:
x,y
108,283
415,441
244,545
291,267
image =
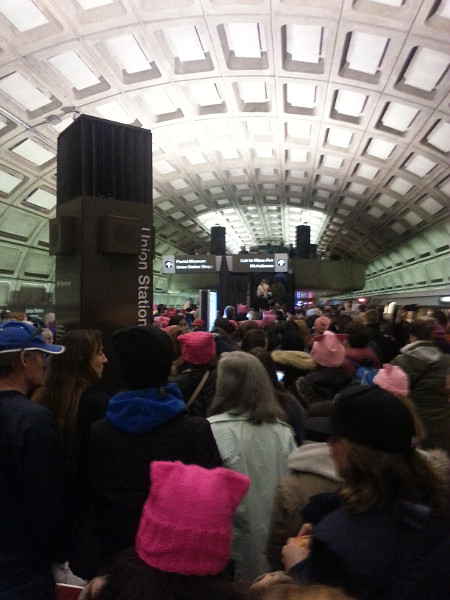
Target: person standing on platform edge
x,y
35,506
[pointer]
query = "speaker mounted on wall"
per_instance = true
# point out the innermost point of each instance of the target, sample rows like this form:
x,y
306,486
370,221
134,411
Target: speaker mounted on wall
x,y
119,235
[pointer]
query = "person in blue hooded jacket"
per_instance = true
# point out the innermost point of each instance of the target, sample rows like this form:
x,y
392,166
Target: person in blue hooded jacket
x,y
146,422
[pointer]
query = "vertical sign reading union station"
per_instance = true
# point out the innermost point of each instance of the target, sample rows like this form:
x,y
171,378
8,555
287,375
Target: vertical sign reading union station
x,y
144,289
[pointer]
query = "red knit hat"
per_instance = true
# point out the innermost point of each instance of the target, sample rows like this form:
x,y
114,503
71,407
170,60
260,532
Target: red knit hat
x,y
327,349
186,521
197,347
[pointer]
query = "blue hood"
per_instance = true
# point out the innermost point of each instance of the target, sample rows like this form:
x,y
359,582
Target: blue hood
x,y
142,411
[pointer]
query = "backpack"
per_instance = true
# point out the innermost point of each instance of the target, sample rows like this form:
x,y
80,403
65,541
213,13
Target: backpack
x,y
364,374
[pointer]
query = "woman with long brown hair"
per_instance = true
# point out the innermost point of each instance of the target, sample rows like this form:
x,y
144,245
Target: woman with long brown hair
x,y
67,394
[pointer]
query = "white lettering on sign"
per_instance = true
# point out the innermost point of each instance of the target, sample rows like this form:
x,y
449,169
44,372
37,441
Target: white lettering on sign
x,y
144,264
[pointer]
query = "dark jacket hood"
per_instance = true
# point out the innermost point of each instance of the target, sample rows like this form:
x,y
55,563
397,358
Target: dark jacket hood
x,y
142,411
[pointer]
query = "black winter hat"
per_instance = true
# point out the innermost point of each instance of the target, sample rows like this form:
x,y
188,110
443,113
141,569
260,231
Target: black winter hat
x,y
145,356
368,416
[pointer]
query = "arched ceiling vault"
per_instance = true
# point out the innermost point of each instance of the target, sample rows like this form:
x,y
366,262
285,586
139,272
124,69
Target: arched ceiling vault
x,y
266,114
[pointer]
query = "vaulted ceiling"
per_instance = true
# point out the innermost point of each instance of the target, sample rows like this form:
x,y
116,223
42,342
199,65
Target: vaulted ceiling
x,y
265,114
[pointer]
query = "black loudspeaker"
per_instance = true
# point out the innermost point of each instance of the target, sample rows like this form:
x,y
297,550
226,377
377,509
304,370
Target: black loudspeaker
x,y
100,158
303,239
119,235
218,240
313,251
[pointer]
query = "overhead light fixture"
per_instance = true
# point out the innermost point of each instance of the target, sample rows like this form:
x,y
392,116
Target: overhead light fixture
x,y
229,153
195,158
8,182
159,101
430,206
439,137
252,91
23,14
206,94
163,167
263,152
33,152
299,130
381,149
326,180
259,127
245,39
367,171
350,103
23,91
114,112
75,70
396,3
399,116
401,186
88,4
412,218
366,51
301,94
426,69
444,9
332,162
304,42
42,199
398,228
386,200
420,165
184,43
357,188
128,54
339,137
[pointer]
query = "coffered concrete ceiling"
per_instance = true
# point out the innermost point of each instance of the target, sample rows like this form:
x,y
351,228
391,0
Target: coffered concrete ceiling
x,y
266,114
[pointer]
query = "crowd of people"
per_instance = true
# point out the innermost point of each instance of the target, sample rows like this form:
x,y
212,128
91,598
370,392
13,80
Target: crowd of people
x,y
281,455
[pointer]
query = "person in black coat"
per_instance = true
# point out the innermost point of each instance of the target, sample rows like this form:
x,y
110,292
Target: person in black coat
x,y
146,422
386,534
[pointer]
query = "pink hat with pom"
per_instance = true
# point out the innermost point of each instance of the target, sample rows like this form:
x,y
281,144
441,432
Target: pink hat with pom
x,y
327,349
186,521
392,379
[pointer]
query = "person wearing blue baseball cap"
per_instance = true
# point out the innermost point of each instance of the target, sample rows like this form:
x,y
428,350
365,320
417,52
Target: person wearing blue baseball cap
x,y
35,506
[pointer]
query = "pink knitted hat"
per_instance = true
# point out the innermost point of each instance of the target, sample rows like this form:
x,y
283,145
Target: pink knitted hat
x,y
197,347
268,318
187,518
392,379
242,309
327,349
321,324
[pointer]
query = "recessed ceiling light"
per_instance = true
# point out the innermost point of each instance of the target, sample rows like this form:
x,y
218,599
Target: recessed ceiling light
x,y
23,14
23,91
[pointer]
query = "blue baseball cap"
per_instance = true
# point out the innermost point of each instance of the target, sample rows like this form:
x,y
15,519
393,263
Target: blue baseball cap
x,y
22,335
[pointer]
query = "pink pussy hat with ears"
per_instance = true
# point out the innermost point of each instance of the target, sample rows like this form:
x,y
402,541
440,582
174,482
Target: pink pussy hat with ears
x,y
327,349
197,347
392,379
321,324
187,518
